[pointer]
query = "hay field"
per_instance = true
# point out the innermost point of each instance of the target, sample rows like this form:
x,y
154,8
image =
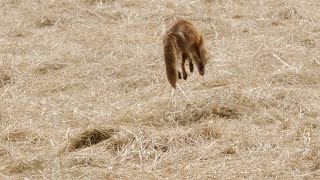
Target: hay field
x,y
83,91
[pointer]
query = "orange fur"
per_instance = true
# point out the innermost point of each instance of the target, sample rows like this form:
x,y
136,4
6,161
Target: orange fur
x,y
182,37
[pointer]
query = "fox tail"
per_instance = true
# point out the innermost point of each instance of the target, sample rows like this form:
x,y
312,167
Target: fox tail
x,y
170,56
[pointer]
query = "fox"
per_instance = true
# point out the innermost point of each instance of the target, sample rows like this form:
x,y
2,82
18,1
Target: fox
x,y
183,39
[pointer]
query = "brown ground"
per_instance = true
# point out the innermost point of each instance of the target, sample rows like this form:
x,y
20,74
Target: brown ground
x,y
83,92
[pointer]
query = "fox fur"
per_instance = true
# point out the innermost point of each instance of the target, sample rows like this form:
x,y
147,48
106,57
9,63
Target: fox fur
x,y
183,39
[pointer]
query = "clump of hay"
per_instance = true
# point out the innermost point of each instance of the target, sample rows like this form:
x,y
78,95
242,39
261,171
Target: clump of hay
x,y
45,21
226,112
212,84
23,135
45,68
4,151
12,2
288,13
52,88
92,2
198,113
6,76
229,151
284,12
119,141
88,138
22,166
209,132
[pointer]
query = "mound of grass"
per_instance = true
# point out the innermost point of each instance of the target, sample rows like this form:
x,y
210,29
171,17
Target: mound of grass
x,y
89,138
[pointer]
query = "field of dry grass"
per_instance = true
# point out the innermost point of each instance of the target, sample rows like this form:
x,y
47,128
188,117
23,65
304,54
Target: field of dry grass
x,y
83,91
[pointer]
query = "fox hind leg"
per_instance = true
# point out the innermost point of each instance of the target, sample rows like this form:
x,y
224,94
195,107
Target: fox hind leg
x,y
179,74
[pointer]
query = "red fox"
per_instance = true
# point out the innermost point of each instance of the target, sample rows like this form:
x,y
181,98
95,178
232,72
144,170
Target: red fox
x,y
183,38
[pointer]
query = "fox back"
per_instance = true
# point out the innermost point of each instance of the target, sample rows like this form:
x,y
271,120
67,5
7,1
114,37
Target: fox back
x,y
182,37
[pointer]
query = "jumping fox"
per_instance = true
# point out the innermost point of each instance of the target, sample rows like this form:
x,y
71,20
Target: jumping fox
x,y
183,38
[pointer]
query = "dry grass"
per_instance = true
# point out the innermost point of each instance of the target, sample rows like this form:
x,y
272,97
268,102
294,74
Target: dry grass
x,y
88,138
70,70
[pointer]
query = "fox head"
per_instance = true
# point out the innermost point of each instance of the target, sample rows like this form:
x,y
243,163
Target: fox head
x,y
203,57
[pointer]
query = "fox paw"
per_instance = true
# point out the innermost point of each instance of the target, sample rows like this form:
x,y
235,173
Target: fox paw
x,y
179,74
191,67
185,76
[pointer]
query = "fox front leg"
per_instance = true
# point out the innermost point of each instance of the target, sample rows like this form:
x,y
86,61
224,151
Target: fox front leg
x,y
184,73
190,64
